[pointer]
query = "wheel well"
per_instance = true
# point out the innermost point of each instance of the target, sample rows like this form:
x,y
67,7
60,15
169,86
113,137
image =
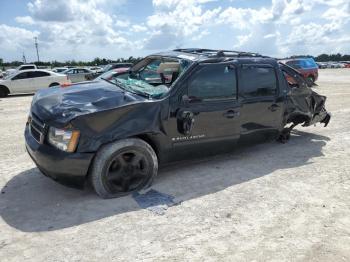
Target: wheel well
x,y
54,84
149,141
6,89
298,119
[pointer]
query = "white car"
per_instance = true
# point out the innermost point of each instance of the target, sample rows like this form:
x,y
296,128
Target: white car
x,y
29,81
20,68
96,69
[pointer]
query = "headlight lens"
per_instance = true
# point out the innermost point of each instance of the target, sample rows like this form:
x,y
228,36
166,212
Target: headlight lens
x,y
63,139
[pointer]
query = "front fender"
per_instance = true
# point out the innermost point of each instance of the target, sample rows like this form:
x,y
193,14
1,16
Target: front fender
x,y
129,121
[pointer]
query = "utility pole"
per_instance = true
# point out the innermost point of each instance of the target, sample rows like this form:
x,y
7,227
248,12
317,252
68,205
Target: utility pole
x,y
36,46
24,58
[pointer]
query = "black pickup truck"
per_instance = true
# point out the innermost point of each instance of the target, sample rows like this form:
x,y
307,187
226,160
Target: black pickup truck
x,y
170,106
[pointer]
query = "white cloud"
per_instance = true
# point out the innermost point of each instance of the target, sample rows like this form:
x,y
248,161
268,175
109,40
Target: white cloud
x,y
138,28
15,38
75,23
78,28
178,21
26,20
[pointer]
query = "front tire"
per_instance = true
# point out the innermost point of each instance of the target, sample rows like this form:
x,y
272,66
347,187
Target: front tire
x,y
123,167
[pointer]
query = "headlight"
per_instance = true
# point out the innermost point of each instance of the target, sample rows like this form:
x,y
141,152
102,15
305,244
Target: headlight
x,y
63,139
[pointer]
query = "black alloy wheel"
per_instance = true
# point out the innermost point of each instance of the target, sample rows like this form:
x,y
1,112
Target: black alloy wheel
x,y
126,172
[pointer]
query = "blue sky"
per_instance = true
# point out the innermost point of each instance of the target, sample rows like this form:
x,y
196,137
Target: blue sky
x,y
83,30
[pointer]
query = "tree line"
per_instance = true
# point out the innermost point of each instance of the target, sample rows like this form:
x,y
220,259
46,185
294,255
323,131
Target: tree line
x,y
96,62
104,61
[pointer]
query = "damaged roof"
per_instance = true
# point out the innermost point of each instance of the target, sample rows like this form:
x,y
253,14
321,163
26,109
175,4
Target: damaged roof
x,y
203,55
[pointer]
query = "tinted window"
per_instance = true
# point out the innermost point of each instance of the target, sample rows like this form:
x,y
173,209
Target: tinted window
x,y
295,64
26,67
213,81
308,63
38,74
258,81
23,75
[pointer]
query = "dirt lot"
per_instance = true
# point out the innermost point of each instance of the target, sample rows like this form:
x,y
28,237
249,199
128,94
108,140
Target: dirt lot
x,y
270,202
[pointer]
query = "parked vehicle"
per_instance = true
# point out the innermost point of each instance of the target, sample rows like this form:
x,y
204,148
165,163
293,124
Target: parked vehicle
x,y
20,68
116,132
113,73
96,69
1,74
322,65
30,81
78,74
26,67
59,69
306,66
109,67
346,64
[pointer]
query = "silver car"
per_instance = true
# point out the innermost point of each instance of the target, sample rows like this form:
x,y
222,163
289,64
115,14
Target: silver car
x,y
78,74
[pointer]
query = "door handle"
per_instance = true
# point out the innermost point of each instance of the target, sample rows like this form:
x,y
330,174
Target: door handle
x,y
273,107
231,114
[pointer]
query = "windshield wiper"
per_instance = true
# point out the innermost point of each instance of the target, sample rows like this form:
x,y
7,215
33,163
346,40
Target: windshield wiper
x,y
109,81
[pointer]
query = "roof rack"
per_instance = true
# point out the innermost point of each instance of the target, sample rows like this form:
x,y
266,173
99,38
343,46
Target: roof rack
x,y
217,53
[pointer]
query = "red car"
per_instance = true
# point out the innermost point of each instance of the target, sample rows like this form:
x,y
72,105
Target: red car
x,y
346,64
306,66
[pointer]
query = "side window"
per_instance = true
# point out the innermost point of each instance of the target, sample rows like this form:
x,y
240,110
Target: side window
x,y
23,75
258,81
27,68
295,64
150,70
35,74
213,81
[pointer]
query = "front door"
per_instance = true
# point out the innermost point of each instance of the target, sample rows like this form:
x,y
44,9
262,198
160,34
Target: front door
x,y
205,113
22,83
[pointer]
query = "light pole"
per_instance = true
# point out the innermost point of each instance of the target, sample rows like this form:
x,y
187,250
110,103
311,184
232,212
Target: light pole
x,y
36,46
24,58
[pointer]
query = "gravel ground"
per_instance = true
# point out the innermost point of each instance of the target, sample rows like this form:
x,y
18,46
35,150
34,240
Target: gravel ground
x,y
270,202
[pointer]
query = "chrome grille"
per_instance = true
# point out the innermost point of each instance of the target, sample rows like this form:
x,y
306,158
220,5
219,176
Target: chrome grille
x,y
37,129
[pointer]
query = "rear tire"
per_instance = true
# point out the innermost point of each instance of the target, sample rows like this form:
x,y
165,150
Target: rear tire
x,y
123,167
3,91
312,79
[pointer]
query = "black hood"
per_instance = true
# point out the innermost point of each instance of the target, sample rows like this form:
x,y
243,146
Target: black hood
x,y
61,105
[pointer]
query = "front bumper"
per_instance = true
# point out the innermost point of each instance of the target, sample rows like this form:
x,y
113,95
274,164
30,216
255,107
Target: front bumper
x,y
69,169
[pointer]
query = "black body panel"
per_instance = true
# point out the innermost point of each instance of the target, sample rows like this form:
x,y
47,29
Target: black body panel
x,y
174,125
66,168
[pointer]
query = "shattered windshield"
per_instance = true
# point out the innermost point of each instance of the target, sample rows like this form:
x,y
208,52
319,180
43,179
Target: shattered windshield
x,y
153,76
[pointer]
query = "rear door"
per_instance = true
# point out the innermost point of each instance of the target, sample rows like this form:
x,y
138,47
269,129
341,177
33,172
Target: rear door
x,y
83,74
204,117
41,79
262,102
